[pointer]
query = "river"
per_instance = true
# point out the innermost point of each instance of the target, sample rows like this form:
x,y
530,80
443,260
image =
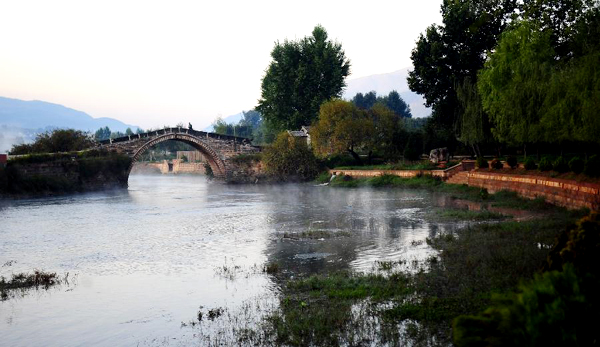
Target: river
x,y
143,262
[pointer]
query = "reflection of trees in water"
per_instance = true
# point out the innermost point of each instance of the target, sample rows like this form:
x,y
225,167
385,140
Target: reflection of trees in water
x,y
354,219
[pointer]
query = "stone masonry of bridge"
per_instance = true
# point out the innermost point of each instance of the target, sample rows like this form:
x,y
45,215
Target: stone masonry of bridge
x,y
217,149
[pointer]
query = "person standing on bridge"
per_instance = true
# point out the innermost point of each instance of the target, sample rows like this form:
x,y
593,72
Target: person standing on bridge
x,y
189,125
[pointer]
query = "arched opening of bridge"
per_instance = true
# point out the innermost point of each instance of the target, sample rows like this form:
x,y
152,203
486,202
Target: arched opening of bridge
x,y
177,153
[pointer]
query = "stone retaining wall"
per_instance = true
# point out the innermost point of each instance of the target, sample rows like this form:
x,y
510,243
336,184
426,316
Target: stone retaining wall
x,y
567,193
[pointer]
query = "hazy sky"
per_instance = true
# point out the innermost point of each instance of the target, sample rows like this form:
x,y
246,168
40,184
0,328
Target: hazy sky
x,y
155,63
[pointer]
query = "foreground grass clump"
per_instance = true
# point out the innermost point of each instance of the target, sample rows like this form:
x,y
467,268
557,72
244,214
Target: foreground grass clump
x,y
27,281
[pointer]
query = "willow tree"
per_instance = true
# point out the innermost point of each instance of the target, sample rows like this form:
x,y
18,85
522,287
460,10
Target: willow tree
x,y
513,84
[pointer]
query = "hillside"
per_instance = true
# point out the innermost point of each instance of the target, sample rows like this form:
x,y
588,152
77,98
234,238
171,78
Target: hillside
x,y
21,120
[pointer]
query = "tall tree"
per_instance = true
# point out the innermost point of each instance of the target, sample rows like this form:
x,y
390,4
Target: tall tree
x,y
342,127
302,75
445,55
393,101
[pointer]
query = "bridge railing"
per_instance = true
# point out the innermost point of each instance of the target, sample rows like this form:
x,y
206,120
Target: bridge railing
x,y
178,130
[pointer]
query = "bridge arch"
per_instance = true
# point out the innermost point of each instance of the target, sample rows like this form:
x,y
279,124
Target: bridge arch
x,y
214,160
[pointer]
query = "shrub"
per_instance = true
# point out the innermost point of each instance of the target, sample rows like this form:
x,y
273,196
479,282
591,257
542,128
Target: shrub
x,y
576,165
592,166
323,177
59,140
545,164
496,164
512,162
560,164
530,164
482,163
290,159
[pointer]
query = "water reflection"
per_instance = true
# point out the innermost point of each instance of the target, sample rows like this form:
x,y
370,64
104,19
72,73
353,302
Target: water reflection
x,y
150,256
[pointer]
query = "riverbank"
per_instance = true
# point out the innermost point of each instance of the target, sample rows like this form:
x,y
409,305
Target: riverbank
x,y
415,303
63,173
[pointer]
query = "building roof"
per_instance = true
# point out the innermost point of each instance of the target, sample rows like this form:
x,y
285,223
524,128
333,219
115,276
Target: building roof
x,y
297,133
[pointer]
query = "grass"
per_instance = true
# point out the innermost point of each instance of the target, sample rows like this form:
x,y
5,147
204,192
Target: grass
x,y
419,165
38,279
316,234
481,215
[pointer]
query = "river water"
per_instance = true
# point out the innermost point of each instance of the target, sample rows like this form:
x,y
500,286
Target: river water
x,y
143,262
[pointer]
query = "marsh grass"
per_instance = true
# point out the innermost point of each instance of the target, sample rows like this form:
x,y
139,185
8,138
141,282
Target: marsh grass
x,y
26,281
460,215
316,234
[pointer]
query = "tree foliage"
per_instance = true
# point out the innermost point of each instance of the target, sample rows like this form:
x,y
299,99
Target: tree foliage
x,y
60,140
393,101
514,82
544,85
288,158
341,128
302,75
445,55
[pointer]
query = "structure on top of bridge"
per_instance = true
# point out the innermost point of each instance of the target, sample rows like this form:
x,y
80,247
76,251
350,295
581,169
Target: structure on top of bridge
x,y
218,149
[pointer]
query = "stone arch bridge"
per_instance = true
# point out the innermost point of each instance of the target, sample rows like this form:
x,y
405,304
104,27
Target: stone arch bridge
x,y
218,149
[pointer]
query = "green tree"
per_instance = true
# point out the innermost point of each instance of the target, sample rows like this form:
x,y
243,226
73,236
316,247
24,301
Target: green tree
x,y
290,159
393,101
342,128
514,82
102,134
473,122
302,75
445,55
128,131
388,132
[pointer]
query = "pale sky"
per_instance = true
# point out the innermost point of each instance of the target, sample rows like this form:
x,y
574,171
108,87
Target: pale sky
x,y
155,63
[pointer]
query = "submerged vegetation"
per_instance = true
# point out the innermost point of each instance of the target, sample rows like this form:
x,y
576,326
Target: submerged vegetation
x,y
25,281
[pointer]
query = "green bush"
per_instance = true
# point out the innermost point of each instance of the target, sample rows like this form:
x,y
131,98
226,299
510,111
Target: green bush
x,y
576,165
545,164
530,164
560,165
592,166
339,160
290,159
552,310
496,164
512,162
558,308
482,163
323,177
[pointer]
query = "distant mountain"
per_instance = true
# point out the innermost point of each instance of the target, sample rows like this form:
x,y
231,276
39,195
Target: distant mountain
x,y
42,115
382,84
229,119
21,121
